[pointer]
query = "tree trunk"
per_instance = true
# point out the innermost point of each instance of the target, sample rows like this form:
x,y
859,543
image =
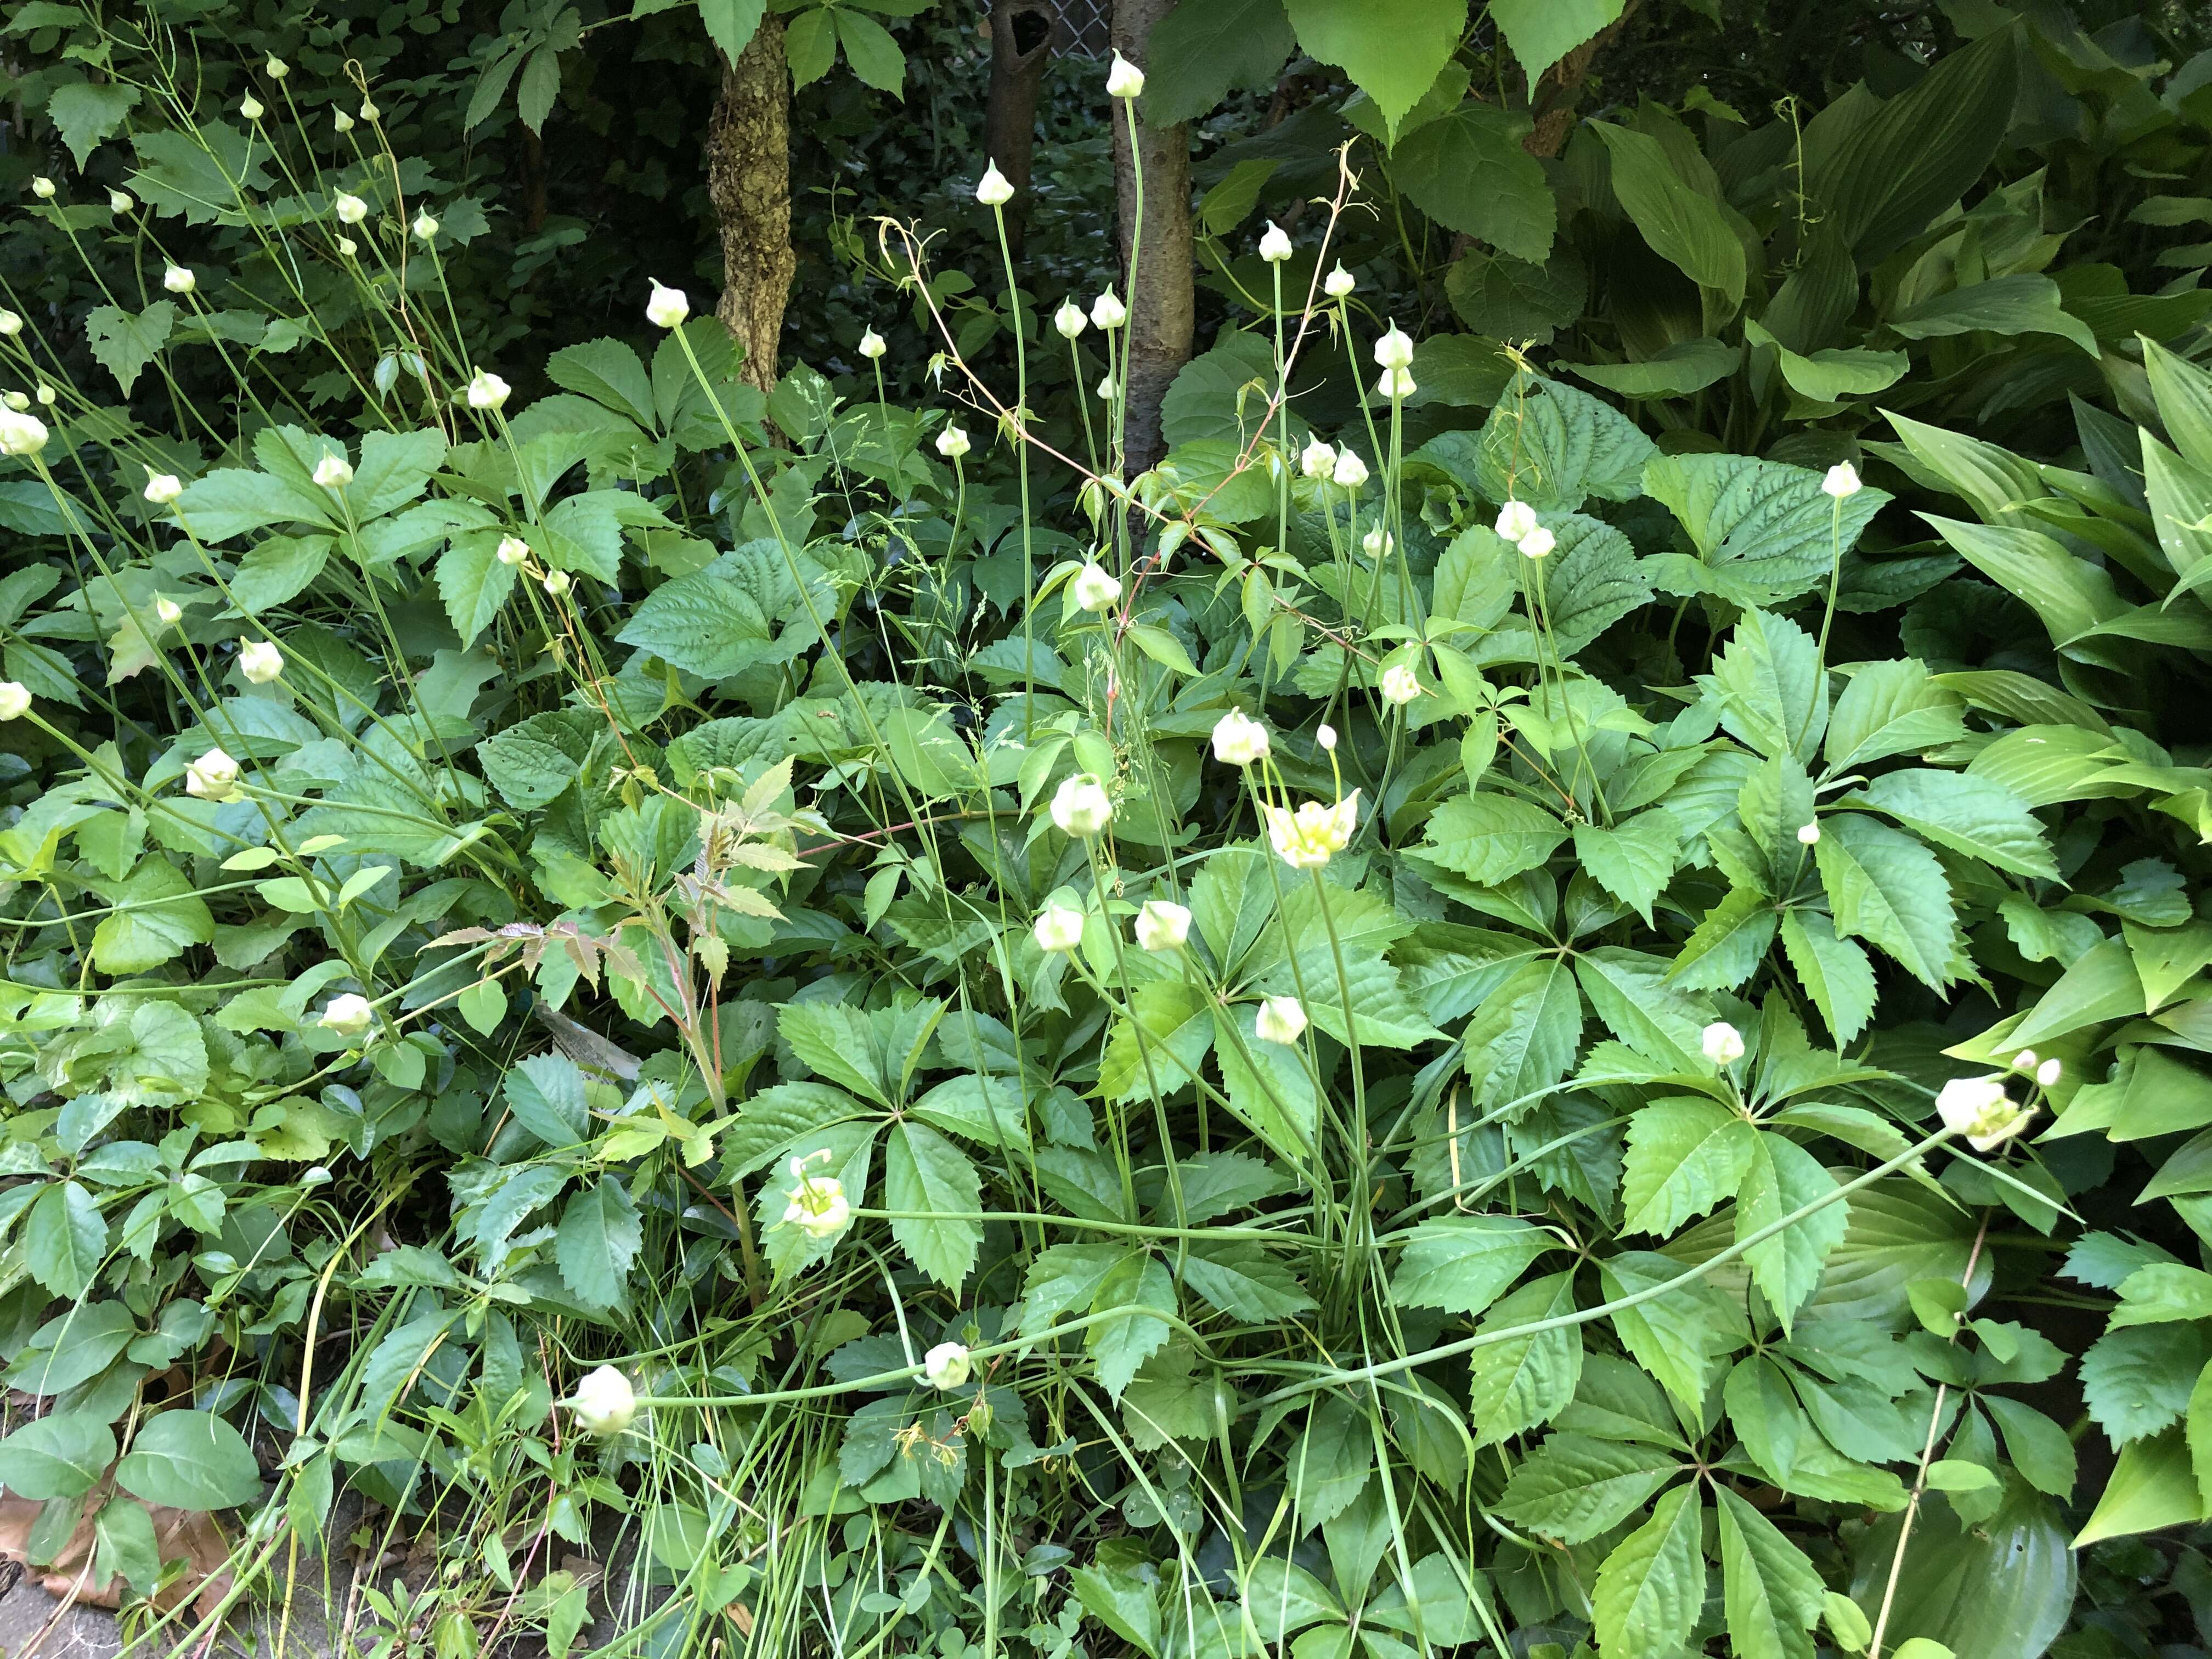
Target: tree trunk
x,y
1021,46
1161,305
749,180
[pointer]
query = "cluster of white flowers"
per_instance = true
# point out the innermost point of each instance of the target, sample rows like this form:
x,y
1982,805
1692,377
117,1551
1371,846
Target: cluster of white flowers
x,y
819,1206
1979,1109
1516,523
1317,832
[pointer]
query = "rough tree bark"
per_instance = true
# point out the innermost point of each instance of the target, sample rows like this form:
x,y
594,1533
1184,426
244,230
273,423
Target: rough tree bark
x,y
1021,46
749,180
1161,310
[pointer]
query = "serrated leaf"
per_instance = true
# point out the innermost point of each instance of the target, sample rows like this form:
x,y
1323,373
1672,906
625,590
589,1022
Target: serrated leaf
x,y
927,1176
1574,1487
1462,1263
1650,1588
1685,1155
598,1243
1885,888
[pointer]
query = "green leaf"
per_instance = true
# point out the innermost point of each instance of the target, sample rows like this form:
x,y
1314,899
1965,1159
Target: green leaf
x,y
731,25
1469,171
1554,448
2039,1448
1677,1336
1523,1382
1971,815
59,1455
2137,1380
72,1348
875,57
1885,888
1591,581
1727,946
1267,1083
64,1239
709,623
1681,368
2000,1588
1122,1600
546,1094
1163,1046
1322,1473
1832,374
1650,1588
1685,227
1523,1039
1633,861
474,583
928,1176
2068,594
86,112
1573,1487
1772,1594
125,343
599,1241
1243,1279
189,1461
1685,1155
1765,532
1779,1177
1203,49
1891,708
1835,972
1138,1280
2022,303
1392,50
1542,32
1890,176
1771,691
1490,838
1461,1263
532,762
1629,991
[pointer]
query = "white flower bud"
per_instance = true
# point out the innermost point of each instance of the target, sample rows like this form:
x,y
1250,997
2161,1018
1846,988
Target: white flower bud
x,y
349,1015
425,227
168,610
1338,283
1395,384
945,1366
1163,924
512,549
2050,1072
1058,928
11,323
1723,1044
1399,685
347,247
163,489
558,582
992,190
1275,245
1080,806
1350,472
1325,735
16,400
1069,319
1395,350
872,346
1109,313
43,188
487,390
350,209
260,661
1238,739
1281,1020
1096,588
1378,543
15,700
118,201
1317,459
45,395
333,471
21,434
1808,835
251,107
1107,390
1979,1109
1516,519
179,280
213,776
341,121
667,307
1843,480
952,443
1124,79
368,111
2026,1061
605,1403
1538,543
276,69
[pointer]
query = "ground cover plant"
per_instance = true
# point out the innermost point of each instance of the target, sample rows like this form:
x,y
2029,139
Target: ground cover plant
x,y
1511,963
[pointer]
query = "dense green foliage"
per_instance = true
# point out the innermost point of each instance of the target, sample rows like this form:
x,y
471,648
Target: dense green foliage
x,y
749,889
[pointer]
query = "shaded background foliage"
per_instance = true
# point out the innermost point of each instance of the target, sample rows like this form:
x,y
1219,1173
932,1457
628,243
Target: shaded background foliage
x,y
563,148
